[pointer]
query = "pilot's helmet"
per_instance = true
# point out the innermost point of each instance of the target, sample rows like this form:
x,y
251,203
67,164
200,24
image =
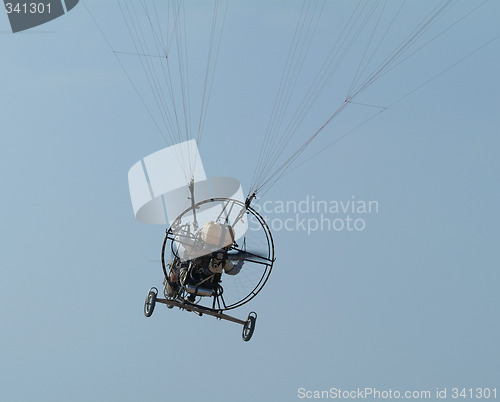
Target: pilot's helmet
x,y
216,234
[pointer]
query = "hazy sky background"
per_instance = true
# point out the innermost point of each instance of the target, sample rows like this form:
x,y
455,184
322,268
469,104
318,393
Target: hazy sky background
x,y
409,303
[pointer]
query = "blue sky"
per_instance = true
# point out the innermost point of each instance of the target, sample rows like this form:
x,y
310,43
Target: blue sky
x,y
409,303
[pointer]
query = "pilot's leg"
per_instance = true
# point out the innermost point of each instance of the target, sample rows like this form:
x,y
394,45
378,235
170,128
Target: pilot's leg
x,y
183,274
172,286
183,278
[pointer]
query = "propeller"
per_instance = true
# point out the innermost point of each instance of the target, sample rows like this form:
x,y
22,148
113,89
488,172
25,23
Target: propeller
x,y
236,254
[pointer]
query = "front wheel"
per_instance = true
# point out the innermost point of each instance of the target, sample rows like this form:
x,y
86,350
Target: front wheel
x,y
249,326
149,304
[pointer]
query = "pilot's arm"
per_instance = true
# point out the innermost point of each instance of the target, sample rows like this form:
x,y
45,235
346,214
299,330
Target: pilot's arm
x,y
233,269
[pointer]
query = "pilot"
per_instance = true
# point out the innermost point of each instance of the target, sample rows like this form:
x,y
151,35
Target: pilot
x,y
202,267
214,236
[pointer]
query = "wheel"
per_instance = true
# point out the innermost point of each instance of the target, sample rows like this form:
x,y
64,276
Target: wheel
x,y
149,304
249,326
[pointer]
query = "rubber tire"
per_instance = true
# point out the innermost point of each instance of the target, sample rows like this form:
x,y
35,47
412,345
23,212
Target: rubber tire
x,y
249,327
149,304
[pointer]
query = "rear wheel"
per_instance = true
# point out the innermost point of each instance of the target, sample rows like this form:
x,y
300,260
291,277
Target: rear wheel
x,y
249,326
149,304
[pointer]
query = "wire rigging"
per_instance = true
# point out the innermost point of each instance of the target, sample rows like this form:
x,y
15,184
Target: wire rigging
x,y
366,41
159,36
266,177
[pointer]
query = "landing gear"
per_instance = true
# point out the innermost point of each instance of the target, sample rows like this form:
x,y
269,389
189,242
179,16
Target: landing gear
x,y
152,299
